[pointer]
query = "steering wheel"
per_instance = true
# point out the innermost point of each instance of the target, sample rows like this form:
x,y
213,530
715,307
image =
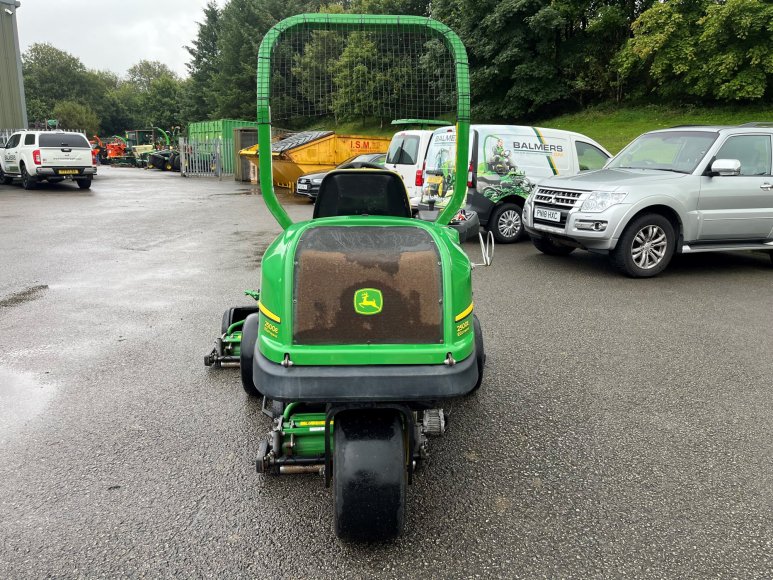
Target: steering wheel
x,y
361,165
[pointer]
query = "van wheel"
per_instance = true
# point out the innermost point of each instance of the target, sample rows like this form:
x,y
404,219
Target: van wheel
x,y
646,246
27,181
506,223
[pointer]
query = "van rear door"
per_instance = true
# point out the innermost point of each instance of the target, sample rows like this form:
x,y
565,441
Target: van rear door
x,y
406,156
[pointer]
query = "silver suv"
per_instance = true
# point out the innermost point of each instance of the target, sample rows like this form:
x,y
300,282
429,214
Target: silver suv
x,y
686,189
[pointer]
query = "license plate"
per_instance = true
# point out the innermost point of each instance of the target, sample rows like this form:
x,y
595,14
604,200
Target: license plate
x,y
550,215
68,172
303,186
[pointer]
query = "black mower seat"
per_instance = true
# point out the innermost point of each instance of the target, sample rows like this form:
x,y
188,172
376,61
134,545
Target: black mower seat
x,y
362,192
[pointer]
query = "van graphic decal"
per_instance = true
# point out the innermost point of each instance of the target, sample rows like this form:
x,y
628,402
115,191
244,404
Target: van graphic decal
x,y
499,175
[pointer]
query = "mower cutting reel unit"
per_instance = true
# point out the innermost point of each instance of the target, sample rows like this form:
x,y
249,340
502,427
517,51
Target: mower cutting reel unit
x,y
365,323
227,349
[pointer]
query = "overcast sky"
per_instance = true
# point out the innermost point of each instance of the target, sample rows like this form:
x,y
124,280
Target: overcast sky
x,y
114,34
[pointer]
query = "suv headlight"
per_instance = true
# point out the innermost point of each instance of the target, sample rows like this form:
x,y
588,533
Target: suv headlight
x,y
316,180
598,201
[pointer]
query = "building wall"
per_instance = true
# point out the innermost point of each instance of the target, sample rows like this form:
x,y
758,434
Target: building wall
x,y
13,107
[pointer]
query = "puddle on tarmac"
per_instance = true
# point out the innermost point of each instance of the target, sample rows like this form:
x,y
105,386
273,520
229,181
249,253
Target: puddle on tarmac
x,y
26,295
21,398
285,195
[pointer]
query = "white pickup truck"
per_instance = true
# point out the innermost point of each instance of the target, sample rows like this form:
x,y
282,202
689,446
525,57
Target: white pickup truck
x,y
51,156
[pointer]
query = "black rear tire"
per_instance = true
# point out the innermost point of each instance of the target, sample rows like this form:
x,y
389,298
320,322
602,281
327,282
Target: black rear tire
x,y
648,236
247,356
84,183
480,351
369,474
27,181
549,247
506,223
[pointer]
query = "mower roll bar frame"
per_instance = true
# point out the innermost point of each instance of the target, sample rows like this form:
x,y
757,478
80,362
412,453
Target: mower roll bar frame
x,y
368,22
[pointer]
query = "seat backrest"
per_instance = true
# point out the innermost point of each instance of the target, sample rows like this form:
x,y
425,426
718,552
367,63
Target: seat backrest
x,y
362,192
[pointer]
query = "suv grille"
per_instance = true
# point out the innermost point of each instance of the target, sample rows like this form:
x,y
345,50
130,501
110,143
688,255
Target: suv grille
x,y
554,197
562,201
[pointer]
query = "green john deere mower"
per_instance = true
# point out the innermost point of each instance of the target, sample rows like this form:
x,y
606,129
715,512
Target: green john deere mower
x,y
364,323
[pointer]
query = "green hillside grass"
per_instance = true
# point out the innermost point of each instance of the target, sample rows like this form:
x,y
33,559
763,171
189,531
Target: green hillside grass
x,y
616,127
613,127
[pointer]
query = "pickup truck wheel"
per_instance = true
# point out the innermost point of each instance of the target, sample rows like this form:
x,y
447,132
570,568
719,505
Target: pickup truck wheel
x,y
549,247
646,246
84,183
27,181
506,224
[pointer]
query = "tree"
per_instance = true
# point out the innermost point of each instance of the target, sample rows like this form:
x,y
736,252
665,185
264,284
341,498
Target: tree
x,y
243,25
152,93
736,51
199,98
415,7
161,103
529,58
99,91
51,75
702,49
74,116
128,102
142,74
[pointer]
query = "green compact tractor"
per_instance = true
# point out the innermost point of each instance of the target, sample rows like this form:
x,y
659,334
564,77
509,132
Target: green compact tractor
x,y
364,323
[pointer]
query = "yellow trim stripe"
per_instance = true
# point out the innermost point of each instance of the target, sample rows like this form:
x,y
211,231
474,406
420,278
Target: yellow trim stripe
x,y
267,313
464,313
549,157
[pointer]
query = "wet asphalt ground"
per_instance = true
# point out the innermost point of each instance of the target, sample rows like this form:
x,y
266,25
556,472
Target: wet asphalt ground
x,y
624,427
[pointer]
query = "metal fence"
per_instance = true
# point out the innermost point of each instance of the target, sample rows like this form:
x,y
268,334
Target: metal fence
x,y
213,158
5,134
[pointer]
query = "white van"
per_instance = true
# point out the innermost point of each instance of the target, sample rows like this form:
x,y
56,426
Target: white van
x,y
506,161
406,155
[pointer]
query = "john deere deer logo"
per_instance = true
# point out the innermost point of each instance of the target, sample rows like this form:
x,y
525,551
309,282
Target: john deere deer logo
x,y
368,301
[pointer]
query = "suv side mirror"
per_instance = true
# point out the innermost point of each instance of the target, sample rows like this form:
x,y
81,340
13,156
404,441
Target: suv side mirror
x,y
726,167
486,249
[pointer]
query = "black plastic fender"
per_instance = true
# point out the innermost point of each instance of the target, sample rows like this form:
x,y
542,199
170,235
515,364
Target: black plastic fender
x,y
235,314
369,474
